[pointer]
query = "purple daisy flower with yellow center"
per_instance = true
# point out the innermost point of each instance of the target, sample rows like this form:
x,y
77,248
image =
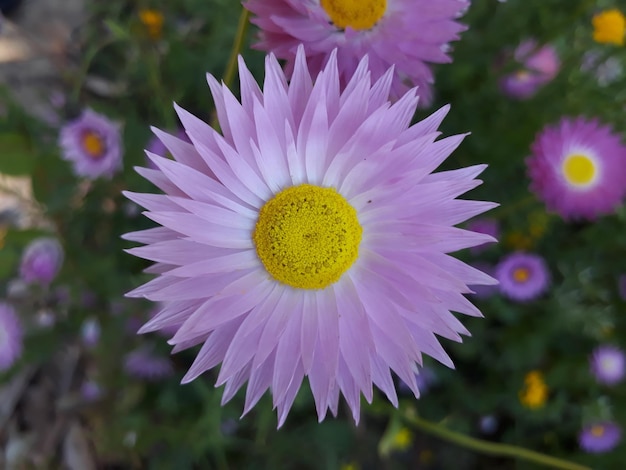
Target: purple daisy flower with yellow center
x,y
92,143
406,34
608,364
10,336
311,239
144,363
578,168
601,437
522,276
41,261
538,66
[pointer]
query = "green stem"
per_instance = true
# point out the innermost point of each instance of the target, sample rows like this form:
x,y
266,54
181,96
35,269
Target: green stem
x,y
491,448
242,27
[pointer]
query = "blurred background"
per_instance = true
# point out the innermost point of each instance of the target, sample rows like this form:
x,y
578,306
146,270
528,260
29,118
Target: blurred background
x,y
82,391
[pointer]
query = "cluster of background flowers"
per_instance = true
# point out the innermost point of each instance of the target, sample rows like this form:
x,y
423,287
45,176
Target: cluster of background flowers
x,y
539,84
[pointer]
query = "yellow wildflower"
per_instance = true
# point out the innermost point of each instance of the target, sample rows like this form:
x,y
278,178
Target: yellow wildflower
x,y
402,440
350,466
609,27
535,392
153,21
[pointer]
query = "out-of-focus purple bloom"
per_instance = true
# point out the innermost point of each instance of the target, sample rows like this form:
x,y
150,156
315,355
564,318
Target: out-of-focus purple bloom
x,y
41,261
537,67
90,332
143,363
45,318
486,226
90,390
93,144
601,437
425,378
608,364
488,424
522,276
10,336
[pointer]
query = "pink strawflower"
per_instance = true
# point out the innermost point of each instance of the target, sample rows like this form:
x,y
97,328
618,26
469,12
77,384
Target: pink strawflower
x,y
578,168
10,336
92,143
310,239
608,364
536,66
144,363
522,276
41,261
407,34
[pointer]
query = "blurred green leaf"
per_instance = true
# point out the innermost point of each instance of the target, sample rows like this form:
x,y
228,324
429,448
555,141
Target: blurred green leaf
x,y
16,155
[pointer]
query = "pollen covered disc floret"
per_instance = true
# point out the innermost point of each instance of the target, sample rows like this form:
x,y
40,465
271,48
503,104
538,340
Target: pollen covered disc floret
x,y
356,14
307,236
579,170
311,239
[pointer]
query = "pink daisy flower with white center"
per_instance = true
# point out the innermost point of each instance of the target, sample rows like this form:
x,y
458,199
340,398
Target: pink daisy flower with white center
x,y
10,336
406,34
311,239
578,168
93,144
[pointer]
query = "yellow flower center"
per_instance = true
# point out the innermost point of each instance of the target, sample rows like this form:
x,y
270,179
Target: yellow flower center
x,y
597,430
609,27
307,236
357,14
93,145
521,274
579,170
153,21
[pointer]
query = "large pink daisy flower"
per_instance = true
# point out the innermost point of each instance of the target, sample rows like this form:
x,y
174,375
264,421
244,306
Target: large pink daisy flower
x,y
408,34
578,168
310,239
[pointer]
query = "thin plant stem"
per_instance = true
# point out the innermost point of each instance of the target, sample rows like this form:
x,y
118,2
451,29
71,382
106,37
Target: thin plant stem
x,y
490,448
242,28
231,67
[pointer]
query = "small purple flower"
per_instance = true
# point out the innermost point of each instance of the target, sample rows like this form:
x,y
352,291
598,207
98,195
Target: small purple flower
x,y
90,390
538,66
92,143
608,364
10,336
45,318
600,437
522,276
90,332
425,378
144,364
488,424
41,261
486,226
